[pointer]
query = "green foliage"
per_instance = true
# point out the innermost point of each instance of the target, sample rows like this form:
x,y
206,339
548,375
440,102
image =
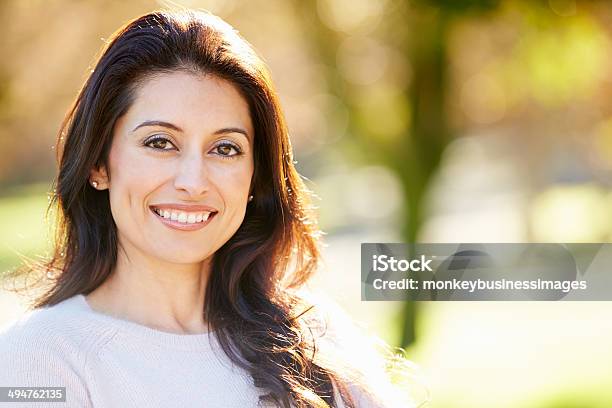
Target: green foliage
x,y
23,229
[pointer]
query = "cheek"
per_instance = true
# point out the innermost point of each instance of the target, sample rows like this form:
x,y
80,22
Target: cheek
x,y
237,181
132,178
233,184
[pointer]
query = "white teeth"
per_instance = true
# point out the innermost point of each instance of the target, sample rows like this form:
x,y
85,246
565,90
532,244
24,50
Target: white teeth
x,y
183,217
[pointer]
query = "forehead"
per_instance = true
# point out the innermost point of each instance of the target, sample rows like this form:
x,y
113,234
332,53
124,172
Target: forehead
x,y
192,100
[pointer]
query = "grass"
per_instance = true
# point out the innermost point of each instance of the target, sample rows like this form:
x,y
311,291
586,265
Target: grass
x,y
23,228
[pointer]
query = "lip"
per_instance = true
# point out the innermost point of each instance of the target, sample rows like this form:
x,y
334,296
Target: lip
x,y
181,226
184,207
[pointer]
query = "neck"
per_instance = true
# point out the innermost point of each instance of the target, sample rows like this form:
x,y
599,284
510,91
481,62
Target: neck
x,y
148,291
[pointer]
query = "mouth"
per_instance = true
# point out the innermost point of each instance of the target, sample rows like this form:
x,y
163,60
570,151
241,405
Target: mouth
x,y
183,220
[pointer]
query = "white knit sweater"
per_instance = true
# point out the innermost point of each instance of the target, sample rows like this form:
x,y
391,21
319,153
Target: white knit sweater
x,y
104,362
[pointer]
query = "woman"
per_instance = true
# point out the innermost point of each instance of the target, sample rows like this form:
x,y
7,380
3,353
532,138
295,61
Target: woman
x,y
184,234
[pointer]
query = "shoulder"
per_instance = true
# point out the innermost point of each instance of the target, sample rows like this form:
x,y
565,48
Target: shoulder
x,y
48,347
65,326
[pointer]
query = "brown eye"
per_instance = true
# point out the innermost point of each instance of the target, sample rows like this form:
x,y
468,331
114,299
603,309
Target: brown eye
x,y
159,143
227,150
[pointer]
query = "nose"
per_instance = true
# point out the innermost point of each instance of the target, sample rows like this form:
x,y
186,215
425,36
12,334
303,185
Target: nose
x,y
192,175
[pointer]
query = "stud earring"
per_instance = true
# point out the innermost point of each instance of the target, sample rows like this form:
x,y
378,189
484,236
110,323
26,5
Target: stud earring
x,y
250,198
94,184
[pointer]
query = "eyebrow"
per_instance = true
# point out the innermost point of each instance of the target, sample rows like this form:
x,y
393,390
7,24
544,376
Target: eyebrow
x,y
178,129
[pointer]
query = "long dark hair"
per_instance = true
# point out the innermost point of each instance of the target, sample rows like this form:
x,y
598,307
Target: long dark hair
x,y
250,293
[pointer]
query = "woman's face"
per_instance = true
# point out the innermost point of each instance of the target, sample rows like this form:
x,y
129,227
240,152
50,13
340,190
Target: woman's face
x,y
180,167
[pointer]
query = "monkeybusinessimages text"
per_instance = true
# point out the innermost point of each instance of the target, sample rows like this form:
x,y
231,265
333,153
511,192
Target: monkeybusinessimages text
x,y
384,263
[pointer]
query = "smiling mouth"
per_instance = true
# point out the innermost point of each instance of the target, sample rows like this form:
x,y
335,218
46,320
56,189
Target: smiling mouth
x,y
184,219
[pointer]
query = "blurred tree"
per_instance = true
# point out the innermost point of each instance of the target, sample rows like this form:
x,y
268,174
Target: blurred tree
x,y
420,29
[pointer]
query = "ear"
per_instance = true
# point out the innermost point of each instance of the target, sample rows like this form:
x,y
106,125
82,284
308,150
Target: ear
x,y
100,176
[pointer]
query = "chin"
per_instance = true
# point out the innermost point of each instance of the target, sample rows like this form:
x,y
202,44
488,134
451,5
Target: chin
x,y
187,259
182,256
